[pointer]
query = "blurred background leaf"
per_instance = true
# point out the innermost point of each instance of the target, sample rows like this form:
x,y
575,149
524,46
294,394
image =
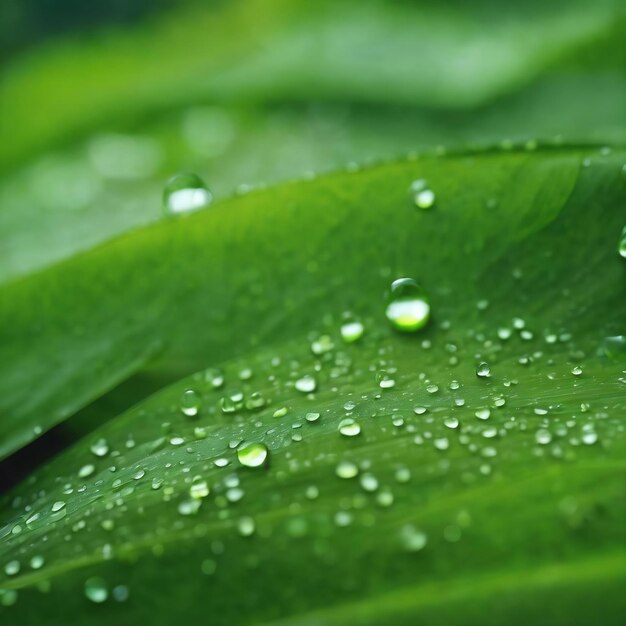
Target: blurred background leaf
x,y
297,90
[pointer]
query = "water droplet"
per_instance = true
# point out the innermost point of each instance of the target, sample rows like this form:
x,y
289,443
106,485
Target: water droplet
x,y
422,196
100,448
256,400
621,247
351,330
577,370
252,454
322,344
312,417
37,562
215,377
543,436
57,506
86,470
184,193
589,438
451,422
346,469
199,489
483,370
482,414
369,482
12,568
413,539
441,443
189,507
407,309
306,384
349,427
96,589
246,526
385,380
190,403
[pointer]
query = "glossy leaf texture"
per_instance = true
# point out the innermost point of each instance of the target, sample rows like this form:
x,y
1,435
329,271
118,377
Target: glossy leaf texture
x,y
486,473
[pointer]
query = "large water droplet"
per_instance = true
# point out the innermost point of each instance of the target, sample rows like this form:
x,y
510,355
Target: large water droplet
x,y
184,193
252,455
407,306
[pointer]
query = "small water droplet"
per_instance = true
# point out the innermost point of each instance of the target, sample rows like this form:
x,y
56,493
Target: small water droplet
x,y
96,589
306,384
482,414
346,469
349,427
413,539
189,507
12,568
184,193
37,562
246,526
86,470
407,309
100,448
252,454
385,380
543,436
190,403
421,195
351,330
483,370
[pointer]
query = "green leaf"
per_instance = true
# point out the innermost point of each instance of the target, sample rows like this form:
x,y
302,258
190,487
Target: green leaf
x,y
195,286
95,164
473,495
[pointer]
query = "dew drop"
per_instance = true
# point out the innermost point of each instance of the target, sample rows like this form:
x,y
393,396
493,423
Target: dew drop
x,y
351,331
252,454
422,196
189,507
346,469
543,436
621,246
385,380
96,589
86,470
199,490
184,193
100,448
482,414
306,384
246,526
190,403
483,370
413,539
407,309
349,428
